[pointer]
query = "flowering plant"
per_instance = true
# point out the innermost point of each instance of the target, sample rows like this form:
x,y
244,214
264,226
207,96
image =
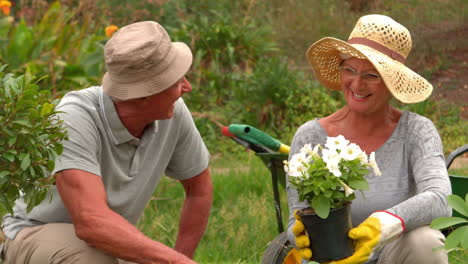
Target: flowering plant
x,y
329,180
5,7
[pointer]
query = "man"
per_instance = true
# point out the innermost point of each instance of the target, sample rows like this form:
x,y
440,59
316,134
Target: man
x,y
123,137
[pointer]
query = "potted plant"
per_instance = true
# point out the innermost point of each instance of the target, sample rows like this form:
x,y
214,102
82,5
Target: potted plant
x,y
326,178
30,140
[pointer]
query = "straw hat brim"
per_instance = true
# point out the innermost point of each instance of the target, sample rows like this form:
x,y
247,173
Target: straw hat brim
x,y
404,84
154,83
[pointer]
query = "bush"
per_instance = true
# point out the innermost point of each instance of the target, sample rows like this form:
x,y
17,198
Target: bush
x,y
69,51
30,140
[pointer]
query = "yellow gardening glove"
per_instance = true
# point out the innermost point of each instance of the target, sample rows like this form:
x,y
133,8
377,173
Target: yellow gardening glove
x,y
372,235
302,240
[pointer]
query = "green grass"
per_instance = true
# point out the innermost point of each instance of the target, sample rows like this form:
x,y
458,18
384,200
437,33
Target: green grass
x,y
459,172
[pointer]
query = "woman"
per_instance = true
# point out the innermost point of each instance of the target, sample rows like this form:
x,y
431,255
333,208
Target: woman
x,y
392,220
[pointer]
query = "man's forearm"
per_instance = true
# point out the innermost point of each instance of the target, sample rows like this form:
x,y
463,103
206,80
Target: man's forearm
x,y
114,235
193,222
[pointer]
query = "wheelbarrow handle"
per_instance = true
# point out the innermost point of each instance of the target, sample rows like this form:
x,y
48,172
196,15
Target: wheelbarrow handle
x,y
459,151
255,136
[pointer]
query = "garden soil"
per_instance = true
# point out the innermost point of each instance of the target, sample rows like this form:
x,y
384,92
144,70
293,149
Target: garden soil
x,y
451,82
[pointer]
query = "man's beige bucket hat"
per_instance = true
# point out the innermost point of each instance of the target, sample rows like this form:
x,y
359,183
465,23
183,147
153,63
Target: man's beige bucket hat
x,y
141,61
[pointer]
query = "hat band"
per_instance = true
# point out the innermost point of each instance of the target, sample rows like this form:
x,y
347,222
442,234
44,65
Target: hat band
x,y
379,47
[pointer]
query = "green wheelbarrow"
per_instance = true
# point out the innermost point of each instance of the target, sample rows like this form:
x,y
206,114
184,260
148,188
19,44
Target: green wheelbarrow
x,y
459,182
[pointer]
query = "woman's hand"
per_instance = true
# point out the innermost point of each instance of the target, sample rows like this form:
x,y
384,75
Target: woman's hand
x,y
302,240
372,235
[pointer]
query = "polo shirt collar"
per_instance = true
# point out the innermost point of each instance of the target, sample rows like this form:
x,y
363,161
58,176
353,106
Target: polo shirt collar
x,y
115,129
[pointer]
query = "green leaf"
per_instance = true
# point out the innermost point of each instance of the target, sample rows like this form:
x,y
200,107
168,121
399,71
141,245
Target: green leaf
x,y
9,156
4,173
32,172
50,165
8,131
58,149
359,184
456,238
6,203
464,242
457,203
363,171
308,189
321,206
23,122
46,109
444,222
25,163
12,140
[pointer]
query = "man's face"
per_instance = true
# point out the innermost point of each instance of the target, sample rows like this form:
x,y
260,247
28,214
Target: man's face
x,y
161,105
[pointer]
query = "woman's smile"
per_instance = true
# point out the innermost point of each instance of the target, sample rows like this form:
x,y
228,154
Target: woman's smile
x,y
360,97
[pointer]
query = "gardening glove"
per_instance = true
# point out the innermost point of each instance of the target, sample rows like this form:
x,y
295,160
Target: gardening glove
x,y
302,240
372,235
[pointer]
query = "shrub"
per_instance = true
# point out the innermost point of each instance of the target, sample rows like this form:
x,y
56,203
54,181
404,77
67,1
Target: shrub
x,y
30,140
58,45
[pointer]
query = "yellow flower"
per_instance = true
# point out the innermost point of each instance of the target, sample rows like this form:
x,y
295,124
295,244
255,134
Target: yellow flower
x,y
110,30
5,6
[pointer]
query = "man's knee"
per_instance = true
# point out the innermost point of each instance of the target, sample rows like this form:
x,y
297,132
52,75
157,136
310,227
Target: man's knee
x,y
52,243
83,256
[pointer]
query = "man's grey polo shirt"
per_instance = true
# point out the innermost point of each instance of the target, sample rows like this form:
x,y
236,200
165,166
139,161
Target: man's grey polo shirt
x,y
130,167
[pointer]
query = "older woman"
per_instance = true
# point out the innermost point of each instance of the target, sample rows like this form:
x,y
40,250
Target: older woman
x,y
392,220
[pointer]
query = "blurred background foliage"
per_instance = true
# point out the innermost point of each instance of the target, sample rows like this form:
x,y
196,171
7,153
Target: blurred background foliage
x,y
249,64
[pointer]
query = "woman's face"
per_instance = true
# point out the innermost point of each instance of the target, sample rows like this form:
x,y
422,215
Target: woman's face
x,y
363,89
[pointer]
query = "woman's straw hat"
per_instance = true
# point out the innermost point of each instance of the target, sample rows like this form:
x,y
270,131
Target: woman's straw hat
x,y
141,61
382,41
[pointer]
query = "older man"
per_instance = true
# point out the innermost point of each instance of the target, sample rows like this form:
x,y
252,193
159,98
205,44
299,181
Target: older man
x,y
123,136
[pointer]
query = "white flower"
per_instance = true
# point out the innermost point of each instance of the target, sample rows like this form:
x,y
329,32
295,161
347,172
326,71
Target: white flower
x,y
334,143
334,168
307,148
348,191
350,152
298,165
330,156
300,157
315,153
332,159
363,158
373,164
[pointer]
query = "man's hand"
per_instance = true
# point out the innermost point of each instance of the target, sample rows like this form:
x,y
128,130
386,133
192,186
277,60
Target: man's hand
x,y
372,235
302,240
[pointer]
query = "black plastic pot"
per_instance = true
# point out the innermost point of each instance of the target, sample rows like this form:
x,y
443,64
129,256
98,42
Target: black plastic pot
x,y
329,237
